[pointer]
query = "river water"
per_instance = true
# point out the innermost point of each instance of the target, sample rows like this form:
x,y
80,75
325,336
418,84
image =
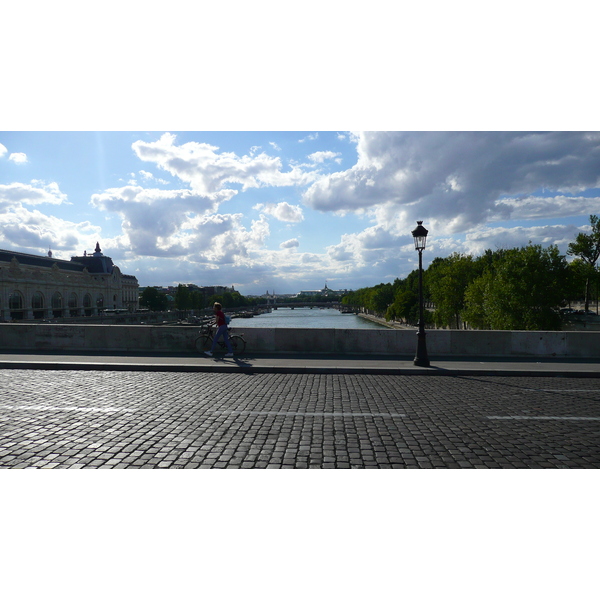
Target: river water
x,y
305,318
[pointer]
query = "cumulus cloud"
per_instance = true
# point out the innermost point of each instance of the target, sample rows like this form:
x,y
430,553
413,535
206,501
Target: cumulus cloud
x,y
208,171
25,229
483,238
3,150
293,243
309,138
222,239
539,207
282,211
177,223
32,230
146,176
18,158
38,192
154,219
456,180
321,157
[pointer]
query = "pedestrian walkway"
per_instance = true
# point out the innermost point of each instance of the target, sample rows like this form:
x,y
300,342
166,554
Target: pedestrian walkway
x,y
302,363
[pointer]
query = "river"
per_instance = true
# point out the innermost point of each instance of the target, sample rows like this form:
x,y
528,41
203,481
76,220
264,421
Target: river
x,y
304,318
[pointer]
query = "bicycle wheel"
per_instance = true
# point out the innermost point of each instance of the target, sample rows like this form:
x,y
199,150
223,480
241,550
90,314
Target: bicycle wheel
x,y
203,343
238,343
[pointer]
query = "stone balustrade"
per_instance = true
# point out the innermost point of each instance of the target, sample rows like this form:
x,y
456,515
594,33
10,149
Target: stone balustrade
x,y
16,337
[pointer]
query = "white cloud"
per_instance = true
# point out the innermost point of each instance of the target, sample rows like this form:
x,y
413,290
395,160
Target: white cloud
x,y
153,219
321,157
456,180
274,146
293,243
310,138
147,177
483,238
24,229
39,193
282,211
3,150
207,171
32,230
18,158
536,207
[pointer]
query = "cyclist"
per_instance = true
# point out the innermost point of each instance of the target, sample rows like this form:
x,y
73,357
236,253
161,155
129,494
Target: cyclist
x,y
221,331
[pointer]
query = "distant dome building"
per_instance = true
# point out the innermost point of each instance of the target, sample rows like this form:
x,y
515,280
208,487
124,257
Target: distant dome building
x,y
324,292
43,287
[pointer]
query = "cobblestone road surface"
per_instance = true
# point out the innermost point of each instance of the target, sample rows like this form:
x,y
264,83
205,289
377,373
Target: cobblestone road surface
x,y
77,419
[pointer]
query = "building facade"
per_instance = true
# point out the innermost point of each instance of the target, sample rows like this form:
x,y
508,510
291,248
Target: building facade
x,y
42,287
324,292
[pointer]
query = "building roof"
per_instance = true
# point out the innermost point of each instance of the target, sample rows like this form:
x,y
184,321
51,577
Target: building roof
x,y
95,263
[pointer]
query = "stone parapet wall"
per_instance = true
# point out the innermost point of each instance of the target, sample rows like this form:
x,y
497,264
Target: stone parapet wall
x,y
15,337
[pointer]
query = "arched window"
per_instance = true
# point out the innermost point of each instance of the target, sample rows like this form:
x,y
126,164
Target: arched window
x,y
100,301
56,301
37,301
15,305
72,300
37,304
87,305
15,301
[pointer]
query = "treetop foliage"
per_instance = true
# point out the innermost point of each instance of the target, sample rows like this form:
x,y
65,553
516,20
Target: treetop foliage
x,y
516,288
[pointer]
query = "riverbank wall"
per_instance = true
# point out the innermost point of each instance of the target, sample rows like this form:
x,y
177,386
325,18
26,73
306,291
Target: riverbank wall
x,y
21,337
380,321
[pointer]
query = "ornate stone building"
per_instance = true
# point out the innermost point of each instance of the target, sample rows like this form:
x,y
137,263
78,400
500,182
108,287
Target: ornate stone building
x,y
42,287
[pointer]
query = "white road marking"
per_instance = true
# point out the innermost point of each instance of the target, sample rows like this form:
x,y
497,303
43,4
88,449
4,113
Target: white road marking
x,y
515,418
561,391
305,414
70,408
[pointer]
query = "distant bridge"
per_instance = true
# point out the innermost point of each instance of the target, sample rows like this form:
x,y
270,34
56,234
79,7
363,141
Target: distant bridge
x,y
277,304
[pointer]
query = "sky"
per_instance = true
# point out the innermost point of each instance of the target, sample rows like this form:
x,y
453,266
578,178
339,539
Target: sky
x,y
287,211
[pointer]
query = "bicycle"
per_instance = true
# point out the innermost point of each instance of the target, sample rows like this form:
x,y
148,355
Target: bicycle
x,y
204,342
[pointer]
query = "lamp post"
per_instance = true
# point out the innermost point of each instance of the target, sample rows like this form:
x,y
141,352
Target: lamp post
x,y
420,236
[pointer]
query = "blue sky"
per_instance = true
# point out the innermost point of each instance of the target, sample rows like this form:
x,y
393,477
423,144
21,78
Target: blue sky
x,y
270,157
291,210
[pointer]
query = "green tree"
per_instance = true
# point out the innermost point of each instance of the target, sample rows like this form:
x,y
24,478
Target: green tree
x,y
183,298
154,299
405,307
381,297
478,301
523,289
448,280
587,247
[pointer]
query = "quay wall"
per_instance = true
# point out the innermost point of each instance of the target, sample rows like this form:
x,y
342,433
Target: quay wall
x,y
16,337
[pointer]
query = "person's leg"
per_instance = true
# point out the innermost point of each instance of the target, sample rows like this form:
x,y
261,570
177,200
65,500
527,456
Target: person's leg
x,y
226,339
218,334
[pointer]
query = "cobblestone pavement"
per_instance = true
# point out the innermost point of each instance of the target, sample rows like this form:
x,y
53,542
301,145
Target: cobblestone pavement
x,y
77,419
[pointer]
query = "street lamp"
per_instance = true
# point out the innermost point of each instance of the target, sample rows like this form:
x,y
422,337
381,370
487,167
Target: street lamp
x,y
420,236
